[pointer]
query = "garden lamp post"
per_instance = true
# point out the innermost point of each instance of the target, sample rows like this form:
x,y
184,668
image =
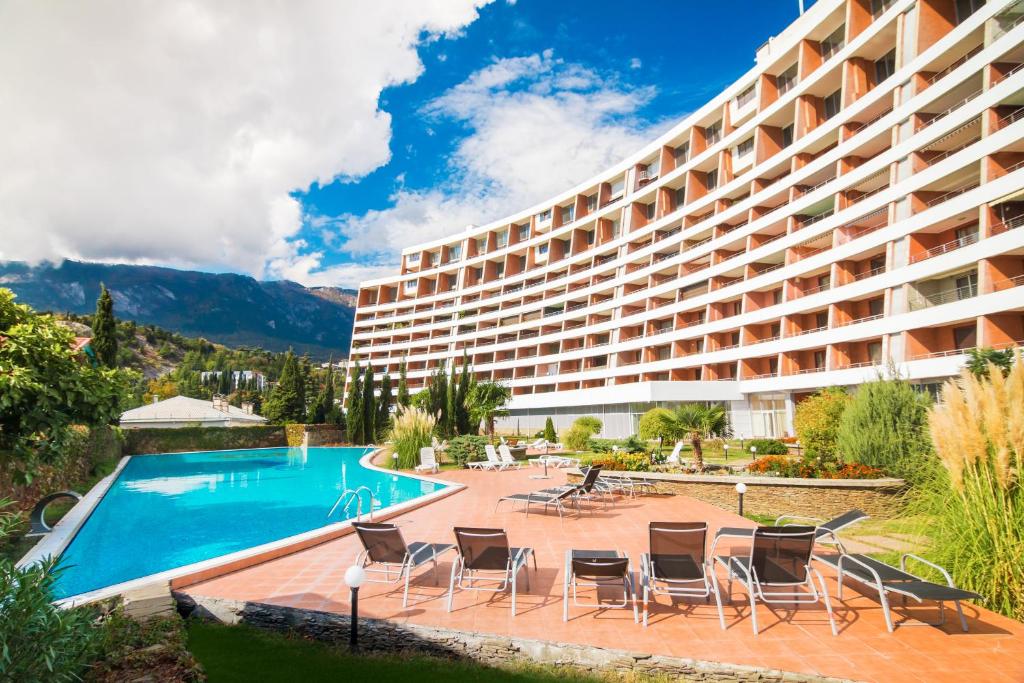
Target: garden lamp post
x,y
394,460
753,452
725,447
355,576
741,488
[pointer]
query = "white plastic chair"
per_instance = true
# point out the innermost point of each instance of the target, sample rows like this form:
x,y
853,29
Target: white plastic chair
x,y
428,460
506,458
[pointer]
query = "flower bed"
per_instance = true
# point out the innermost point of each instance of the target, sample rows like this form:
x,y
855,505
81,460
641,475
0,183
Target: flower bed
x,y
781,466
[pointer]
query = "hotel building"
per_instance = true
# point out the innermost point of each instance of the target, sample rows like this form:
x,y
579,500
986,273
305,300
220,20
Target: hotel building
x,y
850,204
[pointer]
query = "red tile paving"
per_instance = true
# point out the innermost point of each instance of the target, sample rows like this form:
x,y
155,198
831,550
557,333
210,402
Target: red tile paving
x,y
792,640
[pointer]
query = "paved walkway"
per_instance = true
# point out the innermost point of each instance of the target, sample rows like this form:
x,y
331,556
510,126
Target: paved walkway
x,y
798,641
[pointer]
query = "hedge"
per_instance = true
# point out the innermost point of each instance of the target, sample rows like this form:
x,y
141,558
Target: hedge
x,y
183,439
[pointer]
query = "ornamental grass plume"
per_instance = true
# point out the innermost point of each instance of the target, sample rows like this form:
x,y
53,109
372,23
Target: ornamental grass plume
x,y
976,503
411,430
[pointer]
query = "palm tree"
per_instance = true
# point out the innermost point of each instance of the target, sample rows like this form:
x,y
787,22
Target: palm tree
x,y
487,400
979,360
698,422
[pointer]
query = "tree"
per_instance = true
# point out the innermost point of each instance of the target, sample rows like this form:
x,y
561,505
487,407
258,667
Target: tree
x,y
487,401
451,407
590,423
104,329
462,413
699,422
439,398
979,361
817,422
354,414
161,389
384,406
660,424
549,431
324,401
885,426
45,387
369,404
287,403
402,398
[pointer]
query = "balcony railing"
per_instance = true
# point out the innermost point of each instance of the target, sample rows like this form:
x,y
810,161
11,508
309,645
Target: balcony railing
x,y
946,247
944,297
946,196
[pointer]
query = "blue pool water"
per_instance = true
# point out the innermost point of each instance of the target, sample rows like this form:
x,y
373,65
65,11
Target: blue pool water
x,y
167,511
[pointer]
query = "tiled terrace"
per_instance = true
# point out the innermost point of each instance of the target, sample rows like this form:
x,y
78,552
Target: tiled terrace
x,y
797,641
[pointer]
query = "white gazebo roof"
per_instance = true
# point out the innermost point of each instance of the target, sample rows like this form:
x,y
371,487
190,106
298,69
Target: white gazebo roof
x,y
184,409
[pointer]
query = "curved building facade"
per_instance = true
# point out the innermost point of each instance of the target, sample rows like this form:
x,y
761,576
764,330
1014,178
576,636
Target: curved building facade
x,y
849,205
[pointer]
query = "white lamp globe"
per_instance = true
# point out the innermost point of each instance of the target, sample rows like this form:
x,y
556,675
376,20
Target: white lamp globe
x,y
355,576
741,488
753,449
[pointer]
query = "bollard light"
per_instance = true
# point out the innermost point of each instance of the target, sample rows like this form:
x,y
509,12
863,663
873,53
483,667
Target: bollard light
x,y
753,451
394,461
355,576
741,488
725,447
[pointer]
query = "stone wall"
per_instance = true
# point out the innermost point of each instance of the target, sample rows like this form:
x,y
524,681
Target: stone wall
x,y
774,496
325,435
381,636
183,439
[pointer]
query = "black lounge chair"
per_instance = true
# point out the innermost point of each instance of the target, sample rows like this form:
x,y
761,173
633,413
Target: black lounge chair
x,y
384,545
676,562
555,497
824,532
596,569
486,562
886,580
779,557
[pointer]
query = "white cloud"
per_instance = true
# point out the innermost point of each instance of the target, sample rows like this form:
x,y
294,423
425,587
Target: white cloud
x,y
539,126
635,63
173,131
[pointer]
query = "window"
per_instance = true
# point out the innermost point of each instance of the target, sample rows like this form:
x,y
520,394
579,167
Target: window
x,y
967,286
833,104
616,228
499,269
734,339
713,133
966,235
747,96
591,238
885,66
591,203
544,216
454,252
879,6
821,319
773,366
681,153
787,136
712,181
775,330
410,286
478,273
824,281
568,212
745,148
502,239
964,337
876,306
819,360
542,250
776,297
413,259
877,264
680,197
875,352
617,188
435,259
786,80
481,245
834,43
965,8
524,232
649,210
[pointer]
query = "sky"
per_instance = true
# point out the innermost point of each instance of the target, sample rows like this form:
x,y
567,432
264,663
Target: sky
x,y
313,140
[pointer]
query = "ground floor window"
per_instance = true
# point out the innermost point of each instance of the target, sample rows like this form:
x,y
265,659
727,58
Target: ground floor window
x,y
768,415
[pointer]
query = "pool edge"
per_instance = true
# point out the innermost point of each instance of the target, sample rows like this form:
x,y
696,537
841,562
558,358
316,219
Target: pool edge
x,y
198,572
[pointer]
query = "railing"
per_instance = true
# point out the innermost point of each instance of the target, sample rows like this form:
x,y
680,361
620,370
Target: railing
x,y
1008,283
946,196
856,321
944,297
868,273
811,330
807,371
946,247
939,75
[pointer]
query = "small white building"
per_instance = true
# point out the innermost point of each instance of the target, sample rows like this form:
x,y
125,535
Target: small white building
x,y
182,411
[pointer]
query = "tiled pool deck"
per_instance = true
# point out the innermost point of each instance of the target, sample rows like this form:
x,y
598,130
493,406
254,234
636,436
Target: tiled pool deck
x,y
798,641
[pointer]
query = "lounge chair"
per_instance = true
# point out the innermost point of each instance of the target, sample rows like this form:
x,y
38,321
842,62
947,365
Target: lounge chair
x,y
824,533
886,580
676,565
538,445
486,562
491,463
506,458
555,461
673,457
779,557
428,460
597,569
555,499
384,545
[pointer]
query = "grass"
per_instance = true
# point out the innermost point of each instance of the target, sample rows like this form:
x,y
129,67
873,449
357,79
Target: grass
x,y
240,654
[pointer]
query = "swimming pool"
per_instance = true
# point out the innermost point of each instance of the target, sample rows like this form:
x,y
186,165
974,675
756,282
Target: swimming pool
x,y
167,511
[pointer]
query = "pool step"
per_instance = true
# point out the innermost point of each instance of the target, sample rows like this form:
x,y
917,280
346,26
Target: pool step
x,y
149,601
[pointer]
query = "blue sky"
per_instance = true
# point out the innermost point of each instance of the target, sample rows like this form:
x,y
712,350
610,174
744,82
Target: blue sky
x,y
313,141
676,55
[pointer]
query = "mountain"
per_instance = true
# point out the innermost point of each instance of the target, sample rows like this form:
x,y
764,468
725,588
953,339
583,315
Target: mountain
x,y
235,310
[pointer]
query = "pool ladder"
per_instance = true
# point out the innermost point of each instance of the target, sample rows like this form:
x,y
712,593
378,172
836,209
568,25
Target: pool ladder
x,y
348,496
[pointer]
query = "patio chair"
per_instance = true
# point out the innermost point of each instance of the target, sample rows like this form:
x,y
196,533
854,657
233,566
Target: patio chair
x,y
825,533
493,462
555,497
598,569
486,562
506,458
384,545
428,460
676,565
888,580
779,557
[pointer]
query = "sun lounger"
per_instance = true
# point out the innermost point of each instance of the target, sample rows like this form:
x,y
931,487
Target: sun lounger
x,y
493,462
888,580
384,545
825,533
673,458
428,460
554,497
676,565
486,562
779,558
506,458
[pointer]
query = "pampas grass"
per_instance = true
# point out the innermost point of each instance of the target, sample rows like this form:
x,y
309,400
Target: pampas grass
x,y
411,430
977,499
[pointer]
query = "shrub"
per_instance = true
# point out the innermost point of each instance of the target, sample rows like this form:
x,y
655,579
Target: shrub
x,y
817,420
411,430
811,469
577,438
768,447
975,501
633,462
602,445
467,448
590,423
549,431
660,424
885,426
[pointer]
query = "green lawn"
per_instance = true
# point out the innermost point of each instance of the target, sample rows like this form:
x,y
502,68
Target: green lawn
x,y
240,653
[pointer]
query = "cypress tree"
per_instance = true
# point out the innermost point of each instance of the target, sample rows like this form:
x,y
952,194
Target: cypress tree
x,y
549,431
287,403
104,329
354,416
439,396
384,406
451,409
462,419
403,385
369,408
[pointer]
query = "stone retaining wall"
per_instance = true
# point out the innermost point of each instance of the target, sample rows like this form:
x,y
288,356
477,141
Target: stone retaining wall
x,y
377,635
775,496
